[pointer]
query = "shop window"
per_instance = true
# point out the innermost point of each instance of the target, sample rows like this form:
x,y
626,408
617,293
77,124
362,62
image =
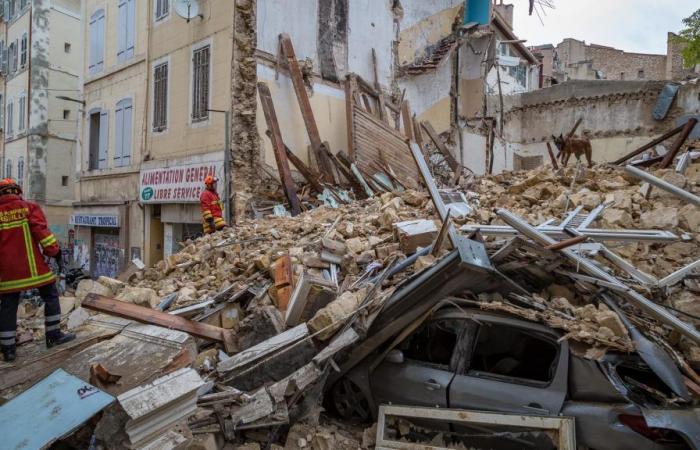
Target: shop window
x,y
200,84
505,351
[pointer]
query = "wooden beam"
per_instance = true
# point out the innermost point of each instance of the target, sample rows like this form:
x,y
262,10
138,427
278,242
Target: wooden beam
x,y
278,147
451,161
440,239
567,243
649,145
150,316
676,146
552,157
303,98
407,120
305,171
350,84
573,130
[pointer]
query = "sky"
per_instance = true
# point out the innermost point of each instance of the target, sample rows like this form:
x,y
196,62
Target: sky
x,y
631,25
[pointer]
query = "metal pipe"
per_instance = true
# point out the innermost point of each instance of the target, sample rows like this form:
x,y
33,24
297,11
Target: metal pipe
x,y
661,184
646,305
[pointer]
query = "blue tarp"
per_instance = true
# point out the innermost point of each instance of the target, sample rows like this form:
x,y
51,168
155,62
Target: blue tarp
x,y
50,409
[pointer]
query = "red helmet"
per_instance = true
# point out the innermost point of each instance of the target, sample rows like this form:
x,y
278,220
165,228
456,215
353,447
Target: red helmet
x,y
9,186
210,180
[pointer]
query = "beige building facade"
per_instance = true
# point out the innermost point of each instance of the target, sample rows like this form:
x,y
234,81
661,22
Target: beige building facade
x,y
41,62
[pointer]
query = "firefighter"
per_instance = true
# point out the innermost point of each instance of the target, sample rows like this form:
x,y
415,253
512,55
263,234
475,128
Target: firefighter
x,y
212,206
24,241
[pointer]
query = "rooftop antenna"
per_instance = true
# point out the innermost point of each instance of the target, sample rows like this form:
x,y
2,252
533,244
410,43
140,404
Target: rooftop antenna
x,y
187,9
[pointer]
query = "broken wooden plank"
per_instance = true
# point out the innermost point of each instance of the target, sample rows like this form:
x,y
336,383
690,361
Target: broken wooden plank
x,y
263,349
573,130
440,239
407,121
284,281
343,340
306,111
649,145
552,158
278,147
451,161
350,86
303,169
150,316
567,243
676,146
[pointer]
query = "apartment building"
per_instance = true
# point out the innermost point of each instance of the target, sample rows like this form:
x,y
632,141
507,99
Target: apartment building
x,y
40,48
189,95
106,215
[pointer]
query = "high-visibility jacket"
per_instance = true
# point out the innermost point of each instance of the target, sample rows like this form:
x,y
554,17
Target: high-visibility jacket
x,y
24,239
212,208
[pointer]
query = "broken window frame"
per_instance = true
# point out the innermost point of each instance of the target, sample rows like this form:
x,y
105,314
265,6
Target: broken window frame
x,y
452,365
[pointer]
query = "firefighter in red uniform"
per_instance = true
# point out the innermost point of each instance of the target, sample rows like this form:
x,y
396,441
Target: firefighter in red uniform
x,y
24,240
211,206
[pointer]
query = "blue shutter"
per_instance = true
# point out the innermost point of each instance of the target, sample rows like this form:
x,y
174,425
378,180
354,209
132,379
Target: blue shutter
x,y
97,31
118,137
126,139
99,63
122,30
130,28
104,140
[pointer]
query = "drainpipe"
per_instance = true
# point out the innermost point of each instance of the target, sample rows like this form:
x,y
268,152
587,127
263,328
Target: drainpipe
x,y
27,99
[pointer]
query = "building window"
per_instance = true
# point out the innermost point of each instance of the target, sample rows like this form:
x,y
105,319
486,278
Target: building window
x,y
11,9
161,9
2,10
122,137
126,30
66,47
200,84
640,73
64,180
622,75
160,97
21,112
66,114
10,117
23,51
3,56
8,168
97,142
2,111
20,171
12,58
97,38
22,4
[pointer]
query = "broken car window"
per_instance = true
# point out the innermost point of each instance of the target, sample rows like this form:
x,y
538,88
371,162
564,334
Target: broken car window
x,y
510,352
433,342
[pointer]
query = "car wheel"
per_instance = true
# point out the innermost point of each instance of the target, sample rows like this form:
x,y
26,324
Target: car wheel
x,y
350,402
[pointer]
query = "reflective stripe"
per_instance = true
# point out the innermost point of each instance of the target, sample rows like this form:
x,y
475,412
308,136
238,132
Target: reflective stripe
x,y
6,334
7,341
207,214
26,282
30,249
52,327
15,224
55,318
48,240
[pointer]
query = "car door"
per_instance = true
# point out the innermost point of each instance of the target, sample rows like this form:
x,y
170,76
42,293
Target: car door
x,y
514,366
420,368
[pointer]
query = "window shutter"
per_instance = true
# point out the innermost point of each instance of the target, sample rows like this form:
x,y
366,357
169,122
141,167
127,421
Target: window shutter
x,y
118,138
123,30
104,140
100,47
126,139
130,28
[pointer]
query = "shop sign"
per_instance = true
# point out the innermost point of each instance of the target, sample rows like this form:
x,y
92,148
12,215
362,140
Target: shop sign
x,y
177,184
93,220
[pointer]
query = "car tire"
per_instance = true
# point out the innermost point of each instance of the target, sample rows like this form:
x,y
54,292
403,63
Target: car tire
x,y
349,402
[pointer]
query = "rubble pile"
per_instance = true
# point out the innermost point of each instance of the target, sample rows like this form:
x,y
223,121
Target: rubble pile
x,y
287,298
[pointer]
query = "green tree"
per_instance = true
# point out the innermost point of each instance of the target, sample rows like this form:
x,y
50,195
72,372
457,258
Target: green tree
x,y
690,35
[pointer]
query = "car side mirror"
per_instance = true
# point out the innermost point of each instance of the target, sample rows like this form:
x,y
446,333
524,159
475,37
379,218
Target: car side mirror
x,y
394,356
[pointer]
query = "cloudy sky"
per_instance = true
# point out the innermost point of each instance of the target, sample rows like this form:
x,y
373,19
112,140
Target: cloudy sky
x,y
630,25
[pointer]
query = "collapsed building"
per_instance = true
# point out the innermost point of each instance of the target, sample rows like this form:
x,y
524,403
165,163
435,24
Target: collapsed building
x,y
375,272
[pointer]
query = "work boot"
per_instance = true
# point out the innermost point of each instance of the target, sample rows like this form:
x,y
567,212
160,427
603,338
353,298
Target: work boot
x,y
9,352
57,337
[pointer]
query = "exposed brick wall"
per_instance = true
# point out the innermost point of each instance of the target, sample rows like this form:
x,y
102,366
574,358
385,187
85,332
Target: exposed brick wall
x,y
674,60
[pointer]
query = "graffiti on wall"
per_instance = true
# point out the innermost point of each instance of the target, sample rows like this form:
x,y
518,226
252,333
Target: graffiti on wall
x,y
107,255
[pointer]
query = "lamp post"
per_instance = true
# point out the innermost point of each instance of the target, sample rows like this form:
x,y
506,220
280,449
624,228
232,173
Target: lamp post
x,y
227,161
